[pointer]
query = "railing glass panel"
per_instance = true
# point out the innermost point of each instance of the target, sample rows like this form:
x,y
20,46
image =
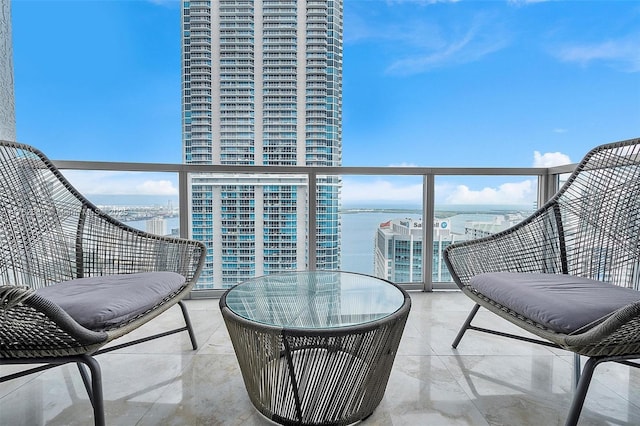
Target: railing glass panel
x,y
469,207
256,220
382,233
148,201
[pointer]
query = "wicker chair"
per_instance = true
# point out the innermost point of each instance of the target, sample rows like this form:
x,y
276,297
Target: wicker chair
x,y
65,266
570,273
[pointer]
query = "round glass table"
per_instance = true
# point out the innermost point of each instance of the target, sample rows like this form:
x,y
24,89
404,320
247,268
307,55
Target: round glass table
x,y
317,347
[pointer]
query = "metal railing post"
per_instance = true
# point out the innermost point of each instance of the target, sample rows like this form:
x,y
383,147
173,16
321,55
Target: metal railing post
x,y
428,209
183,201
312,228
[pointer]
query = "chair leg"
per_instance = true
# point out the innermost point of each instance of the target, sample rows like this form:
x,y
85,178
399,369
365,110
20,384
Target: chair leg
x,y
576,370
465,326
187,321
93,386
86,379
580,391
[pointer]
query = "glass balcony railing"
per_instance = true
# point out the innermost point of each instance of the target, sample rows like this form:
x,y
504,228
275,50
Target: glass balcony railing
x,y
256,220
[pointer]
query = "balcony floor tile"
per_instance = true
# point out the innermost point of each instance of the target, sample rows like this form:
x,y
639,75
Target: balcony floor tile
x,y
488,380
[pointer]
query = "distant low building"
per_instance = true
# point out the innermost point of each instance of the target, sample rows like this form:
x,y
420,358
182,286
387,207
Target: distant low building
x,y
478,229
157,225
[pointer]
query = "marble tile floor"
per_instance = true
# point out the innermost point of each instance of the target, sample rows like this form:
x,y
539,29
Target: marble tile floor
x,y
488,380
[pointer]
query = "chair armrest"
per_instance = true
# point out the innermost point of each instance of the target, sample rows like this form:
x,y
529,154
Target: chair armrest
x,y
533,245
106,246
617,334
31,326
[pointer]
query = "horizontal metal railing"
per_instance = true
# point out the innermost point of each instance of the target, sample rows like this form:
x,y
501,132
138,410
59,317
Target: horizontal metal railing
x,y
548,184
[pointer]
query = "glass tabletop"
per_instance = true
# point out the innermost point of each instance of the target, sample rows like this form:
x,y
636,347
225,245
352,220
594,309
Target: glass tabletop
x,y
314,299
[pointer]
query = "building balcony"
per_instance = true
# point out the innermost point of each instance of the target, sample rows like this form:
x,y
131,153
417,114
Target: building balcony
x,y
488,380
421,189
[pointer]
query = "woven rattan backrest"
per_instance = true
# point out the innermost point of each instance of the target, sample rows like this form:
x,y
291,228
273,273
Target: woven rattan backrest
x,y
39,218
600,211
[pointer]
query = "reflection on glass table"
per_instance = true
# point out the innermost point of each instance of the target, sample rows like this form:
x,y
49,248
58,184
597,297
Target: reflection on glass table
x,y
315,347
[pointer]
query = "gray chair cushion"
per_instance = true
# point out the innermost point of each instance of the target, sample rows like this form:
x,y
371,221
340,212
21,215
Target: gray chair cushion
x,y
563,303
101,303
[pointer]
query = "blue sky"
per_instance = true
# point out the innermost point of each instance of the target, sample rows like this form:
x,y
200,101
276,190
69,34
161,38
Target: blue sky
x,y
426,83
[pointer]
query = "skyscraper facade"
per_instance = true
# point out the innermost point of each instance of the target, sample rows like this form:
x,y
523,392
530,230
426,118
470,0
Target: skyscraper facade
x,y
398,250
262,85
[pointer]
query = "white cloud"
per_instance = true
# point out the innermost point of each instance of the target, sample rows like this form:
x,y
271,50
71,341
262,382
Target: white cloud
x,y
403,165
421,42
157,187
559,130
622,54
121,183
550,159
478,39
508,193
381,191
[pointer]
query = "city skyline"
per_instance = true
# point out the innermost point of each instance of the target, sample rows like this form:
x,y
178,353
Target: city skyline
x,y
460,84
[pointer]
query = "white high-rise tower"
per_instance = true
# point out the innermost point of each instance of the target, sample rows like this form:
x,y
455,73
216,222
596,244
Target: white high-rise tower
x,y
262,85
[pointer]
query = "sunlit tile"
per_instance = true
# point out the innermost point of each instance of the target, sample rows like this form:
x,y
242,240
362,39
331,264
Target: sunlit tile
x,y
488,380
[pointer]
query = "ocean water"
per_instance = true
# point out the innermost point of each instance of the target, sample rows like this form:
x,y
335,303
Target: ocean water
x,y
359,230
358,235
